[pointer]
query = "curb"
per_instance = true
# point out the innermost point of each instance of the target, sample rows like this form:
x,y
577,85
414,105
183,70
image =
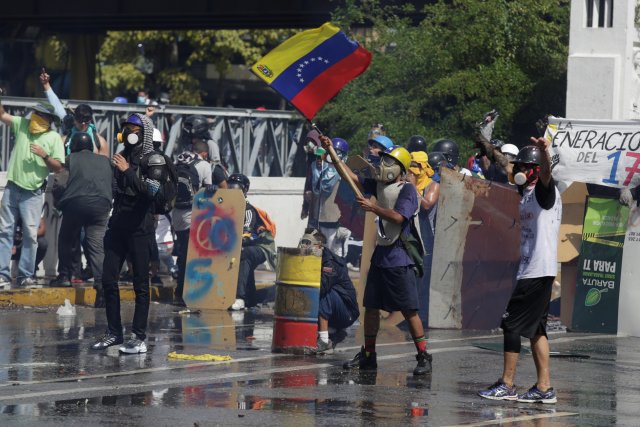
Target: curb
x,y
83,295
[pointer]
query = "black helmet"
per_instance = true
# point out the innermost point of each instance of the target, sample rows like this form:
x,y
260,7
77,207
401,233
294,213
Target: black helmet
x,y
238,180
156,167
449,150
529,154
435,158
196,126
80,141
417,143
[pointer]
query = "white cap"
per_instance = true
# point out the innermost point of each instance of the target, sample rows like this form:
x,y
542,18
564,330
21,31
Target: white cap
x,y
157,135
509,149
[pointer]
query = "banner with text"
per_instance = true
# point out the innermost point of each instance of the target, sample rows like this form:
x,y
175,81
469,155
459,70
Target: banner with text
x,y
604,152
599,266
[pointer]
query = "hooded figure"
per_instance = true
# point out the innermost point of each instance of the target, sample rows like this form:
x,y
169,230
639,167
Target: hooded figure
x,y
131,231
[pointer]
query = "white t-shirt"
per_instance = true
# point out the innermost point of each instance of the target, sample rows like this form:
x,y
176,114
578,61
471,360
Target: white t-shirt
x,y
539,230
182,217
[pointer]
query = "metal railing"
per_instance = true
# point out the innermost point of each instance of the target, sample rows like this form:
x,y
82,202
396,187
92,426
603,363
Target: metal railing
x,y
253,142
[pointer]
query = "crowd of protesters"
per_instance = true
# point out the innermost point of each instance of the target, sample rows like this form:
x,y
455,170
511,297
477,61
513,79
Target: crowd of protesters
x,y
115,211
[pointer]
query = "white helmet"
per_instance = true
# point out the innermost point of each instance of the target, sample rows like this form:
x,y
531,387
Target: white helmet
x,y
509,149
157,135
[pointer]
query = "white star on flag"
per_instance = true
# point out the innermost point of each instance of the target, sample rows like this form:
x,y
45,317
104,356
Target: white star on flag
x,y
301,80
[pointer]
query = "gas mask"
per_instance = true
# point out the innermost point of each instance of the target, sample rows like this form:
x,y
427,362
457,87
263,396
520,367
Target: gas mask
x,y
128,137
309,243
527,177
388,170
156,167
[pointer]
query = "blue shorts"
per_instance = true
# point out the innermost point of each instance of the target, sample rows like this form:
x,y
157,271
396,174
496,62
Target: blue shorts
x,y
333,308
391,289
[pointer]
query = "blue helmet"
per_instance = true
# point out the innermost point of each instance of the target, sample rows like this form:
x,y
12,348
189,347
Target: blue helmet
x,y
120,100
386,142
340,145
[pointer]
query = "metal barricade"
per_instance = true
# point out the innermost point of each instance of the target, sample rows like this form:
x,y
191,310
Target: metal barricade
x,y
253,142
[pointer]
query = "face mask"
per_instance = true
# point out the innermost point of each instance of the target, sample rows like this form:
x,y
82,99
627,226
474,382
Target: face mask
x,y
128,137
373,159
527,177
38,125
141,100
415,170
388,172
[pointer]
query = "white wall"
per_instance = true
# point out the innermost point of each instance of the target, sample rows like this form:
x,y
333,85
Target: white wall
x,y
601,80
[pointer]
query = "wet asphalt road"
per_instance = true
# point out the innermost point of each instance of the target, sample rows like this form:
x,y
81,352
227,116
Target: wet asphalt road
x,y
48,376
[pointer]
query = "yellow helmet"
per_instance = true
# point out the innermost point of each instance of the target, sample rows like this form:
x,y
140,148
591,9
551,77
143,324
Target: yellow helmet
x,y
400,154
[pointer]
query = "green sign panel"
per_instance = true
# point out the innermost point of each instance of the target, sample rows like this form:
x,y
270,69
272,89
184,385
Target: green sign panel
x,y
599,266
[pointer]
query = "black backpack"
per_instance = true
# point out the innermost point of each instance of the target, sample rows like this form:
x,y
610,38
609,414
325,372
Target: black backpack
x,y
188,183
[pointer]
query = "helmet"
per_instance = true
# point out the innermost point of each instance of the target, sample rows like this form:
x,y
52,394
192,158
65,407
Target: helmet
x,y
385,141
156,167
120,100
417,143
80,141
497,143
340,145
196,125
157,135
400,154
435,158
449,150
529,154
133,119
509,149
238,180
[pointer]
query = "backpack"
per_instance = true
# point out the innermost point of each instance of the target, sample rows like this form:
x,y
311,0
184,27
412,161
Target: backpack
x,y
188,183
414,247
268,224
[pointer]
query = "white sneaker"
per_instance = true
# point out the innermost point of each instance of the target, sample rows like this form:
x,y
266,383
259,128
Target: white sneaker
x,y
29,283
238,305
134,346
5,284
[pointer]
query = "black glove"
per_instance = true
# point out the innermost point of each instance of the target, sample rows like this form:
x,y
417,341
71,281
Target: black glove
x,y
541,125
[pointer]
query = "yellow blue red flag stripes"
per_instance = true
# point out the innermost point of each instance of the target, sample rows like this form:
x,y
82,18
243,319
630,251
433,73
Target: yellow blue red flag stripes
x,y
311,67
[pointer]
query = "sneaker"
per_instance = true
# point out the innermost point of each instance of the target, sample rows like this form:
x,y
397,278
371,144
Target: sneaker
x,y
76,279
134,346
237,305
5,284
324,347
535,395
174,273
337,336
499,391
60,282
86,274
156,280
29,283
424,363
362,361
107,340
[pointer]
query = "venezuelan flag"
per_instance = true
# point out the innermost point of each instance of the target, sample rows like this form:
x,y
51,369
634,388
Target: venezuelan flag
x,y
311,67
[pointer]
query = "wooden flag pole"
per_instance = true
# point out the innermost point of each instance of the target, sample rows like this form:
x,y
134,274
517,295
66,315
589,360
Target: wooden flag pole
x,y
340,165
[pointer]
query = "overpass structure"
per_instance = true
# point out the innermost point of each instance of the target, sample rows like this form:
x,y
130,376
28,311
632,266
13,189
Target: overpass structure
x,y
256,143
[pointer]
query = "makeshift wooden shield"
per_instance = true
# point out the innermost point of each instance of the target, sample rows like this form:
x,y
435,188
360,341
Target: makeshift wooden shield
x,y
215,241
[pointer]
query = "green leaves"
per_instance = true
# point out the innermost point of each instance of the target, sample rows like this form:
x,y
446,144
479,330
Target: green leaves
x,y
593,297
465,57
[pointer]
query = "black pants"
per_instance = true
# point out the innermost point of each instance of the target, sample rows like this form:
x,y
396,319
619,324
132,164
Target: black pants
x,y
75,216
250,258
182,246
117,244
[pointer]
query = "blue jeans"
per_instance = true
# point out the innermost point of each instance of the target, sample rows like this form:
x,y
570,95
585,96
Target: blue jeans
x,y
18,203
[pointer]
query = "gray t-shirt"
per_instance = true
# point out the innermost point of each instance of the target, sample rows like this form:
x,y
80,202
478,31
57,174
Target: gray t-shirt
x,y
181,218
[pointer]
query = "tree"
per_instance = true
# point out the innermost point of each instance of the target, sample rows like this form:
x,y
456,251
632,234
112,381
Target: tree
x,y
134,60
464,58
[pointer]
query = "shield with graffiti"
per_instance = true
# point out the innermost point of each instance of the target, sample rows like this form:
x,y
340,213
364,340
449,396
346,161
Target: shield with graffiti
x,y
215,241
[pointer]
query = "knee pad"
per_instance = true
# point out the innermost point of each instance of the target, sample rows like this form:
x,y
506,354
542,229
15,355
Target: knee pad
x,y
511,342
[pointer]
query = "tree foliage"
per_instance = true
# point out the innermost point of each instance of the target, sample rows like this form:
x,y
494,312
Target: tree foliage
x,y
165,60
464,58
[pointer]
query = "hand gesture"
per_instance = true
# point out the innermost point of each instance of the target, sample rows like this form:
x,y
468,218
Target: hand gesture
x,y
325,141
37,150
44,79
120,162
540,142
626,198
